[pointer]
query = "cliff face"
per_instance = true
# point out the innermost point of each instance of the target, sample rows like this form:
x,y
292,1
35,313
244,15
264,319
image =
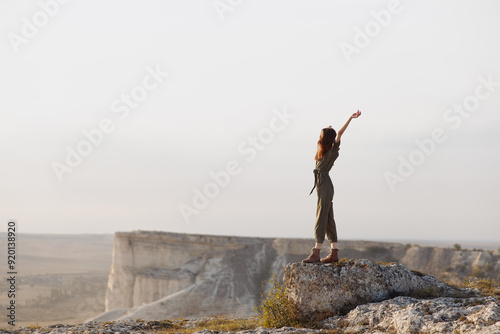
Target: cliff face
x,y
451,264
195,274
157,275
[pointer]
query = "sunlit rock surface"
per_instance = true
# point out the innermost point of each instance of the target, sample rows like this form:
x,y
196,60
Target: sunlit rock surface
x,y
410,315
339,288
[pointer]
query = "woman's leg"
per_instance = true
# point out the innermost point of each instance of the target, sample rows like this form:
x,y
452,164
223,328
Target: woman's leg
x,y
324,205
323,208
331,228
324,212
331,232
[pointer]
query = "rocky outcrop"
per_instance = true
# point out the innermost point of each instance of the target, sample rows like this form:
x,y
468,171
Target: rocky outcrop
x,y
401,315
410,315
319,290
367,297
156,275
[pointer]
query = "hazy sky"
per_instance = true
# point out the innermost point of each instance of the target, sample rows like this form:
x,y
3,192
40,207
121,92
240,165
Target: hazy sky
x,y
118,115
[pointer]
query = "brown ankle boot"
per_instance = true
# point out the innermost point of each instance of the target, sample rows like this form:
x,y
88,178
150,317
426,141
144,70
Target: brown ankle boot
x,y
314,257
332,257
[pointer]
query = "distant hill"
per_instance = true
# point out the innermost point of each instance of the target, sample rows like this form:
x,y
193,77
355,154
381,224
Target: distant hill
x,y
61,278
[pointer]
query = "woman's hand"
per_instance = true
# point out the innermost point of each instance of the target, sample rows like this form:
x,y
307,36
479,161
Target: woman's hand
x,y
356,114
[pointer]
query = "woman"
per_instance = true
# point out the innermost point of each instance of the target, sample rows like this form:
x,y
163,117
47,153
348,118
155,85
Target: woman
x,y
327,153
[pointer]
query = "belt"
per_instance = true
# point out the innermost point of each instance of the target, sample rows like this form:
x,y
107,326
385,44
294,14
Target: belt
x,y
316,174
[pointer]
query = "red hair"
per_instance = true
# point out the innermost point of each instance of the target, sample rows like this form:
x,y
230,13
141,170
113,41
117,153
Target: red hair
x,y
325,142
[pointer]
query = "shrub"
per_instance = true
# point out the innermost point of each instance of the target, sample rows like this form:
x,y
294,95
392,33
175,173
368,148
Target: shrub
x,y
457,246
431,291
487,287
418,273
477,271
223,324
212,324
276,308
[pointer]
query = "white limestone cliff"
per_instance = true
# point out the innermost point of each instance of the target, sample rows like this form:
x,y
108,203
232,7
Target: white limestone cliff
x,y
158,275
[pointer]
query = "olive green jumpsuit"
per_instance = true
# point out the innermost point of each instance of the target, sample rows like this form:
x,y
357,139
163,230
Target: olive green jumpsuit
x,y
325,223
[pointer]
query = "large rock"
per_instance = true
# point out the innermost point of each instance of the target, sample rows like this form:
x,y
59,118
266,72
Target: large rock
x,y
319,290
410,315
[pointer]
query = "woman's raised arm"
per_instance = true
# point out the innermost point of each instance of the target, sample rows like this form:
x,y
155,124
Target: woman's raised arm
x,y
341,131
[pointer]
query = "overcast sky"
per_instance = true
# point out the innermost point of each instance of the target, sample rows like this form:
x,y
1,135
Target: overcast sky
x,y
119,115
